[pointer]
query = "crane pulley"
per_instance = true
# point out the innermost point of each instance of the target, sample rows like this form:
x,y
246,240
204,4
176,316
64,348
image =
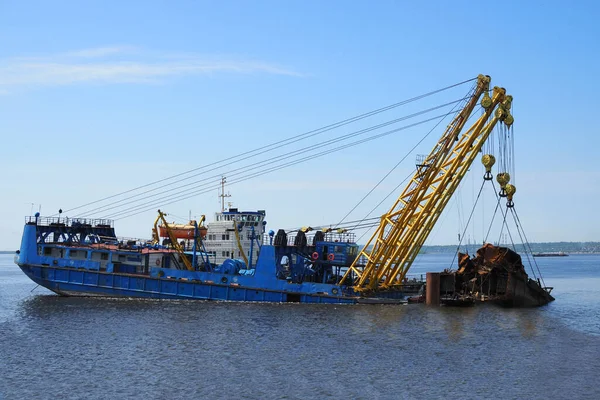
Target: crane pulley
x,y
392,248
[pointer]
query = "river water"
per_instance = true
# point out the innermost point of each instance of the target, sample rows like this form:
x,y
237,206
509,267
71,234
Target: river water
x,y
78,348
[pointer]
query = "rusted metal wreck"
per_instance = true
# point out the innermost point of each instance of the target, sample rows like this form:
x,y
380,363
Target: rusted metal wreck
x,y
495,274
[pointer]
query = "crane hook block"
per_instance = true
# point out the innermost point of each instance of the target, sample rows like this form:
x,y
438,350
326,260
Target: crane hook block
x,y
503,178
488,162
510,192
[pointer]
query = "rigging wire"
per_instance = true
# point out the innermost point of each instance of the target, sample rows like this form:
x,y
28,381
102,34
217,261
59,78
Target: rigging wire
x,y
504,223
401,183
136,209
284,142
384,199
460,211
485,240
467,224
179,218
512,143
346,225
525,250
519,224
400,162
259,164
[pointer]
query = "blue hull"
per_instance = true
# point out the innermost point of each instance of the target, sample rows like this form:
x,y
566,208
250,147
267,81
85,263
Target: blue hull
x,y
81,266
75,282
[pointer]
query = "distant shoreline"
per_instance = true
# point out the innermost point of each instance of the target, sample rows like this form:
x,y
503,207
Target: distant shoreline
x,y
450,249
543,247
539,247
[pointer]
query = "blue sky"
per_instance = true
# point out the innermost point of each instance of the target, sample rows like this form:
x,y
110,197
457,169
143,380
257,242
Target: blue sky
x,y
97,97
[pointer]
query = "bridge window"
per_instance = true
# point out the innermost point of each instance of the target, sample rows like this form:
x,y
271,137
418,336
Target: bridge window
x,y
80,254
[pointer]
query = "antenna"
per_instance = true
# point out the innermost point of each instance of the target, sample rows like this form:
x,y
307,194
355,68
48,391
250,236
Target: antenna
x,y
223,195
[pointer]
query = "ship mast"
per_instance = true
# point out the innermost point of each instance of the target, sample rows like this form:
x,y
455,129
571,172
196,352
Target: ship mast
x,y
223,195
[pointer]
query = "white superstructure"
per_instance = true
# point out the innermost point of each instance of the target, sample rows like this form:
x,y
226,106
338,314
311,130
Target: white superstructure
x,y
221,242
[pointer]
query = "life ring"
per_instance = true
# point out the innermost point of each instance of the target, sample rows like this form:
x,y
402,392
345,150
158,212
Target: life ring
x,y
315,255
330,257
334,291
157,261
224,279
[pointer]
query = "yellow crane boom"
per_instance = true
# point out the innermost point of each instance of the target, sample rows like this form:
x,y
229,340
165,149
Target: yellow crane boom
x,y
405,227
238,241
174,242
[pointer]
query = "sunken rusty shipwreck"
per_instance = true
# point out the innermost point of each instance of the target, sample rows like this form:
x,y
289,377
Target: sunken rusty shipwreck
x,y
493,275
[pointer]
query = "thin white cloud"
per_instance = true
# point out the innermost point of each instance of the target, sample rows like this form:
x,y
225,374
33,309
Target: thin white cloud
x,y
119,64
100,51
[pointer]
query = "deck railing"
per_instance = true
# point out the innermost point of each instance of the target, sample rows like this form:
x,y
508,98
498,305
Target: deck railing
x,y
66,221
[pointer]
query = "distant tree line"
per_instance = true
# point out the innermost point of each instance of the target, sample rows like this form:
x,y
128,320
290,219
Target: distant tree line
x,y
541,247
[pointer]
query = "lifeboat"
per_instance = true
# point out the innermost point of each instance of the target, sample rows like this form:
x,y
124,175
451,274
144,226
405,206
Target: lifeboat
x,y
182,231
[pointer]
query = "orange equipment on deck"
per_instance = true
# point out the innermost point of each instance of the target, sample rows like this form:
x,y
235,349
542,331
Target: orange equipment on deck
x,y
182,231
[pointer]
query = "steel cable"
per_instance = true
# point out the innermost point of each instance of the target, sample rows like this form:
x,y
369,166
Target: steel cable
x,y
280,143
183,196
259,164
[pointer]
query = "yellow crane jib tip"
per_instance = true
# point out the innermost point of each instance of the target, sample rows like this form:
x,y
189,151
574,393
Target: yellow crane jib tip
x,y
507,103
503,111
484,79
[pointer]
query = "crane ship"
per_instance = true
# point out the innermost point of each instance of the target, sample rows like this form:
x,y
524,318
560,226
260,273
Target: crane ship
x,y
236,259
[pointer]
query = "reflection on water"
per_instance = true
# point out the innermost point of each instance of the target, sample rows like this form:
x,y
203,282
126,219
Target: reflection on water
x,y
454,324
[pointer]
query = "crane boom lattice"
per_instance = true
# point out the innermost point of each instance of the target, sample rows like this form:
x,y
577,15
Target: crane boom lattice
x,y
392,248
